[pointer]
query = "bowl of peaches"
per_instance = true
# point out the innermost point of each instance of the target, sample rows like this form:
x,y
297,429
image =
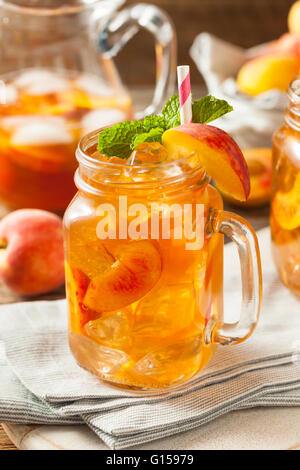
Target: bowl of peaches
x,y
255,82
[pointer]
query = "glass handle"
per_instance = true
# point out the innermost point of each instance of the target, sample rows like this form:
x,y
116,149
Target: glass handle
x,y
124,25
242,234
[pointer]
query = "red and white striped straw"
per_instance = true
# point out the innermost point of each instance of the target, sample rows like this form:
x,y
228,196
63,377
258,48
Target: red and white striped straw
x,y
185,93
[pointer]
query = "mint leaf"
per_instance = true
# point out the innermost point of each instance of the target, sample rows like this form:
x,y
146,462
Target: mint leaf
x,y
119,140
152,122
154,135
116,141
171,112
208,109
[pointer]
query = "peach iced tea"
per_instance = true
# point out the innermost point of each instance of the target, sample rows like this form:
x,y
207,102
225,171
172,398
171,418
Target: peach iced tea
x,y
144,250
129,280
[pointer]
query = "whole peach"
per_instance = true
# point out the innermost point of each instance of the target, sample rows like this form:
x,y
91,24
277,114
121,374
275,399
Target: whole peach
x,y
272,71
294,18
31,251
287,44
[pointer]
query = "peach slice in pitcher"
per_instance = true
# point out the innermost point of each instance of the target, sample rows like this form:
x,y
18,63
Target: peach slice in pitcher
x,y
217,152
43,144
134,272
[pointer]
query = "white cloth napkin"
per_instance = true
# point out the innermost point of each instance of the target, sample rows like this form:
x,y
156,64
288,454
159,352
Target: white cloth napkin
x,y
254,119
41,382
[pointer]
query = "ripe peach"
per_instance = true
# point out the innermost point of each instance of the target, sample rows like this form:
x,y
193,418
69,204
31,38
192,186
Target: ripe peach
x,y
136,270
294,18
259,161
288,44
267,72
31,255
218,153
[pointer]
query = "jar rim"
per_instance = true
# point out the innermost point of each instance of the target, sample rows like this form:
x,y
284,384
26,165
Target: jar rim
x,y
293,91
91,139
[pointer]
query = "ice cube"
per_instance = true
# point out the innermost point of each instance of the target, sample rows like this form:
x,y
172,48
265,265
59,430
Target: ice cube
x,y
41,132
148,152
93,85
101,117
41,82
164,311
112,329
56,85
173,362
13,122
27,77
8,94
99,359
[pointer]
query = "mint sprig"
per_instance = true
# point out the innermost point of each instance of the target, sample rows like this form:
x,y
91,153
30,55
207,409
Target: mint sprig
x,y
121,139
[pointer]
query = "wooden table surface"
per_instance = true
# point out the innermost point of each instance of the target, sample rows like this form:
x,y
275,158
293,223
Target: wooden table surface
x,y
5,442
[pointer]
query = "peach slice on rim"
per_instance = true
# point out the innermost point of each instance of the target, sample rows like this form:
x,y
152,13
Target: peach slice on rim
x,y
135,270
218,153
259,161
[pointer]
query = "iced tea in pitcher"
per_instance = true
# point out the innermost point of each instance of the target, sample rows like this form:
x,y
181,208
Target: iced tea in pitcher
x,y
144,250
43,115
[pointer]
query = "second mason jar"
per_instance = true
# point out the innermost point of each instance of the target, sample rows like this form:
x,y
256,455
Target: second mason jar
x,y
285,204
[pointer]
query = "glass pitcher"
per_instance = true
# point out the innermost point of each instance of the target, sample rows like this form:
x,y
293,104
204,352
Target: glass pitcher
x,y
58,81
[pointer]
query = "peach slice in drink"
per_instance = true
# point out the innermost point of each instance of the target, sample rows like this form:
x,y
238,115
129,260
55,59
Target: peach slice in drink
x,y
77,283
217,152
286,207
135,271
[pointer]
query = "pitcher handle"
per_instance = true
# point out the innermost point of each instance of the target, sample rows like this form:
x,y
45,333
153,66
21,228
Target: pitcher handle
x,y
242,234
122,26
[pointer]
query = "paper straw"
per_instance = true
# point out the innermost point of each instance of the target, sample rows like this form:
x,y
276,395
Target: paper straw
x,y
185,94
